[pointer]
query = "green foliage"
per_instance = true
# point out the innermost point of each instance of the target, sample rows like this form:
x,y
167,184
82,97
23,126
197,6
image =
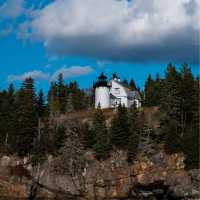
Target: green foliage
x,y
149,92
59,137
120,128
132,84
180,104
153,90
88,139
135,126
64,98
125,82
27,118
7,119
41,107
26,129
100,135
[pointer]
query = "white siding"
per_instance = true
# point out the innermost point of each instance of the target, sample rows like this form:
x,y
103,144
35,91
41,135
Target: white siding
x,y
102,97
119,92
119,96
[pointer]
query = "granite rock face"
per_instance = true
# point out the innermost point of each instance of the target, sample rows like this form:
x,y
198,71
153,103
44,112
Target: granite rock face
x,y
160,176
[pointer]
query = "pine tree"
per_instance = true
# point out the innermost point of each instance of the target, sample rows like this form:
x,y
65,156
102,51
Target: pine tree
x,y
101,137
62,93
27,118
7,119
171,106
41,107
134,133
125,82
88,139
132,84
192,134
187,91
158,89
53,99
119,129
149,92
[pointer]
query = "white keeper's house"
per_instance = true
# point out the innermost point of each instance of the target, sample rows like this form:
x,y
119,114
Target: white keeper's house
x,y
109,94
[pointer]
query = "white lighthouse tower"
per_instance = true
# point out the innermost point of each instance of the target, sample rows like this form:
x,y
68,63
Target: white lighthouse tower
x,y
102,92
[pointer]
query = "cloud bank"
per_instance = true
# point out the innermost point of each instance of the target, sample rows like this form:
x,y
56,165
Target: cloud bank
x,y
68,72
36,74
72,72
12,9
137,30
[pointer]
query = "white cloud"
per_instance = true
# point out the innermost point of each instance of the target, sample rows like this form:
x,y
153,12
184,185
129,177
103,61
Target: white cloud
x,y
12,9
36,74
120,29
72,72
68,72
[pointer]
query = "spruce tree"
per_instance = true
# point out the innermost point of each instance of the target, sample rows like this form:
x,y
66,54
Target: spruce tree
x,y
149,92
101,137
125,82
134,133
171,107
41,107
192,133
132,84
88,138
53,99
27,118
119,129
7,119
62,93
158,89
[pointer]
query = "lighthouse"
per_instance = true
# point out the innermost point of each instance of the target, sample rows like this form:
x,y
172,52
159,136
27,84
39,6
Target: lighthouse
x,y
102,92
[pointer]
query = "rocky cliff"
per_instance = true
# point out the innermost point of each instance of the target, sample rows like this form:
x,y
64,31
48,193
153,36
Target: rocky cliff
x,y
159,176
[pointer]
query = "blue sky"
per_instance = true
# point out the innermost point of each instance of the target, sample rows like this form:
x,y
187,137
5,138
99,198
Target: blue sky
x,y
43,38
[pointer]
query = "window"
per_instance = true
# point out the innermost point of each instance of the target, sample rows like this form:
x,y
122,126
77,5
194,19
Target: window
x,y
118,101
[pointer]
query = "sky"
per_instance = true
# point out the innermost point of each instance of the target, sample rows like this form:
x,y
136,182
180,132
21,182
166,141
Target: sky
x,y
81,39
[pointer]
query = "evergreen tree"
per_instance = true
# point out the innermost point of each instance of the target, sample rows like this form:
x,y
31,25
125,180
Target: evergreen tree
x,y
44,143
53,99
119,129
191,121
149,92
59,138
7,119
132,84
78,97
62,93
101,137
134,133
171,106
125,82
41,107
158,89
88,138
27,118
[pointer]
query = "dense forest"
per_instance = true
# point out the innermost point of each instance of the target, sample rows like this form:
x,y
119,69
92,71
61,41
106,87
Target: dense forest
x,y
26,128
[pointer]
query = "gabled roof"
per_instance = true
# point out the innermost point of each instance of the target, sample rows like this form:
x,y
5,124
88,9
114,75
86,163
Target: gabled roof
x,y
129,92
135,94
